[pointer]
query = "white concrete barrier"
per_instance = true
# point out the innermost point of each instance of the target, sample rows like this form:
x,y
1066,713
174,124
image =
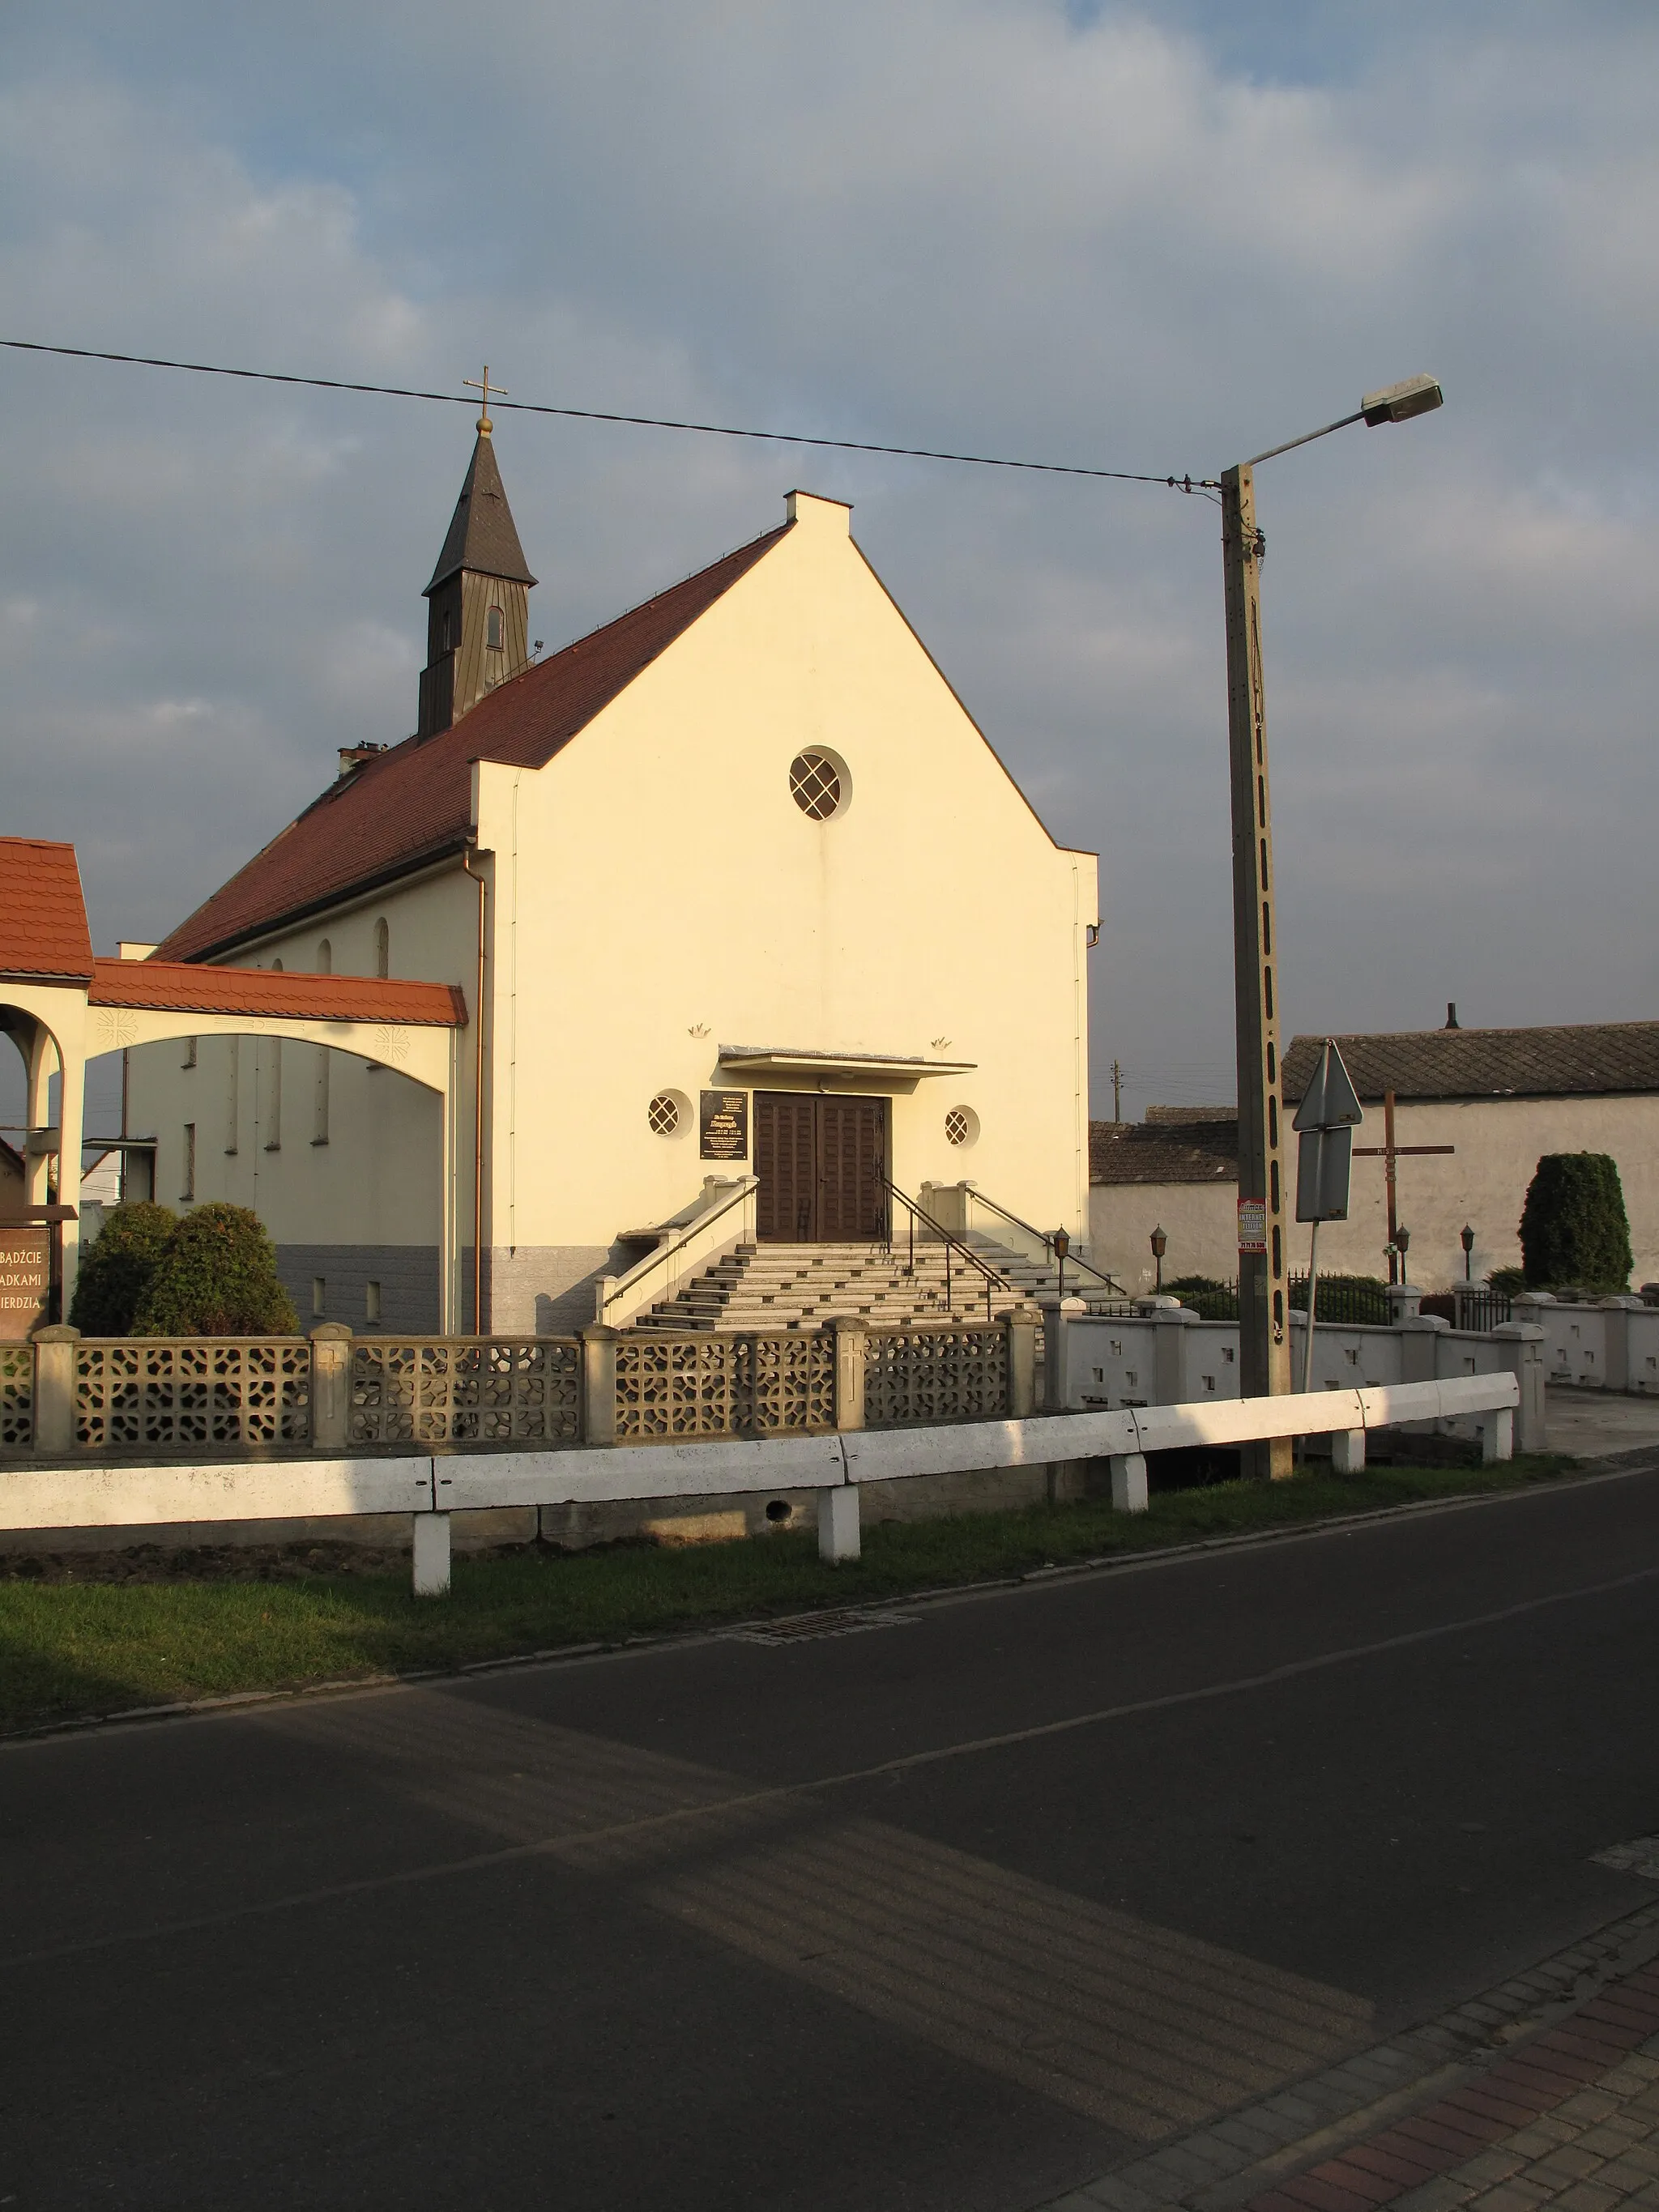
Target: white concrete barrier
x,y
110,1495
105,1494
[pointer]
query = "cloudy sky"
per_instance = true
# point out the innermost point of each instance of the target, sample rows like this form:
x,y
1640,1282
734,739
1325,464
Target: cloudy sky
x,y
1154,237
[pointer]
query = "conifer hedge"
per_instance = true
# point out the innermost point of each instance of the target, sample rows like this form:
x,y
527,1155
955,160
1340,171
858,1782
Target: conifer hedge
x,y
218,1277
1574,1229
116,1268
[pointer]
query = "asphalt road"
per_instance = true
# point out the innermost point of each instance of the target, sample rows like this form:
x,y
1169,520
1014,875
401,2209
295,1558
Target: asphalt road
x,y
950,1914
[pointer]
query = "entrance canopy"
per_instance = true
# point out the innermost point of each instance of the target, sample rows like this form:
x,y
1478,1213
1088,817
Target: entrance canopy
x,y
58,1000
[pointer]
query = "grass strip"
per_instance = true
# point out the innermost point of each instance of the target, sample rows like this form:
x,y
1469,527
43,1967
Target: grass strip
x,y
71,1648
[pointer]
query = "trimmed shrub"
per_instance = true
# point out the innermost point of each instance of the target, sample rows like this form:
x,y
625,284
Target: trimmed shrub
x,y
1357,1289
1509,1281
1203,1295
217,1278
1574,1228
116,1266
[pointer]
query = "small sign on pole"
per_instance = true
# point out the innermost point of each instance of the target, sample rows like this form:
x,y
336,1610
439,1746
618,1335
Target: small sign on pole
x,y
1325,1123
1252,1225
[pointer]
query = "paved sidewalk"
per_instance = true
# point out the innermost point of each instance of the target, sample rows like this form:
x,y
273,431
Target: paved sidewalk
x,y
1543,2091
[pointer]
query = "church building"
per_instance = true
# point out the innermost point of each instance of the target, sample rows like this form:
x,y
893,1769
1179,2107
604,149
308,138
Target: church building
x,y
747,918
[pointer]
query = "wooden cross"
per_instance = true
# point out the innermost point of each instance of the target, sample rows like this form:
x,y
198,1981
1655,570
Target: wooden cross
x,y
486,388
1388,1151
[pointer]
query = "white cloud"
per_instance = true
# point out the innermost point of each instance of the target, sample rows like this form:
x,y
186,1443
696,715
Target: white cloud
x,y
973,222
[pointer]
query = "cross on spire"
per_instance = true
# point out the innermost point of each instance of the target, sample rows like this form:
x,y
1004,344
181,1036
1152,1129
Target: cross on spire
x,y
484,385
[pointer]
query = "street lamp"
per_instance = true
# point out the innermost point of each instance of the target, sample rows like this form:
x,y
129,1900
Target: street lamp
x,y
1466,1238
1402,1238
1264,1345
1160,1246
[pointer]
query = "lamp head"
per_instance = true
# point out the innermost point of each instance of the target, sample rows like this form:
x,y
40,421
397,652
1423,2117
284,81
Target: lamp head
x,y
1160,1243
1398,402
1466,1238
1062,1243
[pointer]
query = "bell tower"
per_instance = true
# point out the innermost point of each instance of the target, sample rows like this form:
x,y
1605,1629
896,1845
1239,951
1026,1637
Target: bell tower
x,y
478,627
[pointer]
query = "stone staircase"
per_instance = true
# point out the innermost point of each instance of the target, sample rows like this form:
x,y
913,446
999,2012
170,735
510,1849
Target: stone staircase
x,y
763,1286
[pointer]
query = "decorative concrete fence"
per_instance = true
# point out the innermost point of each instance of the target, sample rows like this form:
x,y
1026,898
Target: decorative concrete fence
x,y
69,1396
1612,1344
1163,1355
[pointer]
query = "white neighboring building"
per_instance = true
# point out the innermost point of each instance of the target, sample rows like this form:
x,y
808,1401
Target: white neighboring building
x,y
1501,1098
741,853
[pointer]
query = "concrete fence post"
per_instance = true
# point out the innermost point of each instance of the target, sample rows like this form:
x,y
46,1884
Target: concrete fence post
x,y
1056,1345
1169,1325
1617,1363
1419,1347
851,1334
1521,1350
55,1423
599,1383
331,1386
1405,1303
1023,1323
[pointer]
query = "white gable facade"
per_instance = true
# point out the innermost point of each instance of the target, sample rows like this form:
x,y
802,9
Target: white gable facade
x,y
778,876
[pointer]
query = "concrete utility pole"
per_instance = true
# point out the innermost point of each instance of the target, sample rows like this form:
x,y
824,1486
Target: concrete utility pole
x,y
1264,1342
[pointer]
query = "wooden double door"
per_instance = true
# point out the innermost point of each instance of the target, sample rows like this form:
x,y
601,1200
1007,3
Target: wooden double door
x,y
822,1166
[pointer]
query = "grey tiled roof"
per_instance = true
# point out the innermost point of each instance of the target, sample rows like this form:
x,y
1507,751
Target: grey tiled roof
x,y
1202,1149
1585,1060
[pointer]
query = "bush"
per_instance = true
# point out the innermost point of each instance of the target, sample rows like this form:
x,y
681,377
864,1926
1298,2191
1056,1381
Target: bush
x,y
1574,1228
1349,1301
217,1278
1205,1295
1508,1280
116,1266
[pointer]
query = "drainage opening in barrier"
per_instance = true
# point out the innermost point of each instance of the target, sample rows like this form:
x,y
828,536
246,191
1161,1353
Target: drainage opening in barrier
x,y
780,1509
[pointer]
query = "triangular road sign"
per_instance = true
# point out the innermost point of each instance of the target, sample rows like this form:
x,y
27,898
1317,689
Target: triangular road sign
x,y
1330,1101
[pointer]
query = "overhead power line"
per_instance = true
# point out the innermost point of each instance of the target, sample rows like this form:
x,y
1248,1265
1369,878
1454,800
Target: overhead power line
x,y
1182,484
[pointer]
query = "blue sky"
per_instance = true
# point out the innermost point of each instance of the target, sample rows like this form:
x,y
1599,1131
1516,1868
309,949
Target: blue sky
x,y
1153,237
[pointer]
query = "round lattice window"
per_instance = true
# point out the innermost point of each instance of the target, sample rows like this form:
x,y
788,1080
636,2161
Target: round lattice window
x,y
817,784
961,1125
664,1115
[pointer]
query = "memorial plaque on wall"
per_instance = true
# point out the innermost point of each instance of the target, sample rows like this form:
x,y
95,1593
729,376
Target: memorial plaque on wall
x,y
25,1281
723,1124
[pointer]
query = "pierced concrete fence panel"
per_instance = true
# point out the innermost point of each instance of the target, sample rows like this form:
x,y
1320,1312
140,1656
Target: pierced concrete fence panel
x,y
464,1389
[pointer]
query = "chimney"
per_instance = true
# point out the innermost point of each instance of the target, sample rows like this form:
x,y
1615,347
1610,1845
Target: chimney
x,y
1452,1022
353,756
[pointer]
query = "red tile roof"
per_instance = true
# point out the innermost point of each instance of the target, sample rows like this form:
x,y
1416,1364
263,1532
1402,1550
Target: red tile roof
x,y
181,986
413,803
43,915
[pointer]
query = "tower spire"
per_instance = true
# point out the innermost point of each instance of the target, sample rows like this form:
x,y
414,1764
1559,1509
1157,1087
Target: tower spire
x,y
477,601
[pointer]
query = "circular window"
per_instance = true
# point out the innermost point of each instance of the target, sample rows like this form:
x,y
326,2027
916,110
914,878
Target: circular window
x,y
664,1115
817,784
962,1125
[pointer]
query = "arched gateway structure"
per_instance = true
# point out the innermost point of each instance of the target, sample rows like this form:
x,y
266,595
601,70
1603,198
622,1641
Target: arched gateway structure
x,y
64,1006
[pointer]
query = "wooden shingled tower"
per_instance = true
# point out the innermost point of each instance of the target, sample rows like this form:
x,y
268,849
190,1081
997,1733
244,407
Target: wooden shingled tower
x,y
479,609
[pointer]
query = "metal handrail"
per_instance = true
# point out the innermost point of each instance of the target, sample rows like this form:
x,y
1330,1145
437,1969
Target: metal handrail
x,y
1045,1237
994,1276
672,1244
